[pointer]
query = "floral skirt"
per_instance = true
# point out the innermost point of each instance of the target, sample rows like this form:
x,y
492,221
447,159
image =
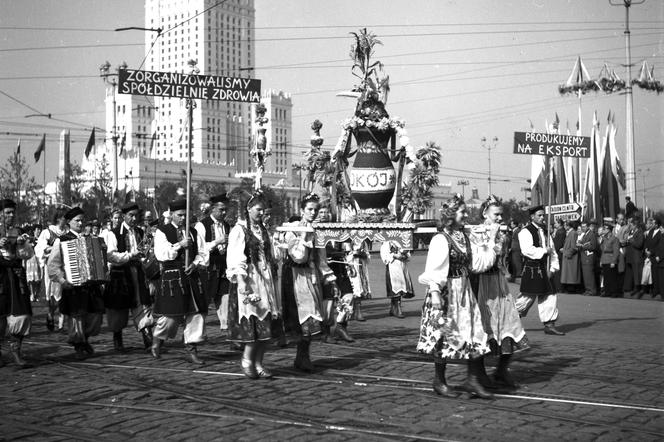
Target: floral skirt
x,y
455,331
500,317
251,329
33,270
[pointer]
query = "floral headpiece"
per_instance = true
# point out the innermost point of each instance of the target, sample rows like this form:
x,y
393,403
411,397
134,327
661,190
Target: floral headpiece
x,y
452,205
257,197
492,200
309,198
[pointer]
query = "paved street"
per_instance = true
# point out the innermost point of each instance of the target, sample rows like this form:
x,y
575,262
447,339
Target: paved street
x,y
603,381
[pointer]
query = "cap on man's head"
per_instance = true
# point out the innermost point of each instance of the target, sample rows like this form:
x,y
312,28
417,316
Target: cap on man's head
x,y
129,207
178,204
534,209
7,204
221,198
608,221
73,213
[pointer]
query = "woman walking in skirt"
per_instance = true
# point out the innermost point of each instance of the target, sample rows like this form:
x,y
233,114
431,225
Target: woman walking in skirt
x,y
254,312
451,325
397,279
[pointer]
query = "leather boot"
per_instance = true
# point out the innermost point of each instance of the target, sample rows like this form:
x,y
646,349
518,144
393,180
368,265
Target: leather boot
x,y
247,363
550,329
261,371
392,306
117,342
340,332
147,338
302,360
15,350
439,383
155,350
502,375
397,308
192,355
2,363
325,335
472,384
484,379
358,311
79,352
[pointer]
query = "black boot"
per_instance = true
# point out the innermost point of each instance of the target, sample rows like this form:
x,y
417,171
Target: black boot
x,y
325,335
502,375
156,348
340,332
302,359
15,350
484,379
2,363
397,308
358,311
192,355
439,383
147,338
79,352
550,329
392,306
117,342
472,384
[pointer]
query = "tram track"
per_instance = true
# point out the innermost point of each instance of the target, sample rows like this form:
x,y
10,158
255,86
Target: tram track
x,y
363,381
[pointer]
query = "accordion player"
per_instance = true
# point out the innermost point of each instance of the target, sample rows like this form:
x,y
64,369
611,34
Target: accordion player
x,y
84,260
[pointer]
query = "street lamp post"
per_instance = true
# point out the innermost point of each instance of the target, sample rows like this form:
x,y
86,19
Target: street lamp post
x,y
110,78
463,183
644,173
489,148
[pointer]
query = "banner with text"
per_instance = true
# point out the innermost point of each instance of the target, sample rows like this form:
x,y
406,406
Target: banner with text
x,y
553,145
180,85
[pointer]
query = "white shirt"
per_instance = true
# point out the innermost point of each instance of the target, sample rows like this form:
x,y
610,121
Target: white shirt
x,y
165,251
115,257
530,251
218,230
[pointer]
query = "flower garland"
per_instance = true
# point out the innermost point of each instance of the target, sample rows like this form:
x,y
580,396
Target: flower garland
x,y
382,124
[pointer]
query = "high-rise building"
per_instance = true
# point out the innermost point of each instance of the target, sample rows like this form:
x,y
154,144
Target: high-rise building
x,y
221,41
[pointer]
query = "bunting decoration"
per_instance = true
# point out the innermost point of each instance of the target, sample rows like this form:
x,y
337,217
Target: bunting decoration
x,y
647,80
608,81
579,80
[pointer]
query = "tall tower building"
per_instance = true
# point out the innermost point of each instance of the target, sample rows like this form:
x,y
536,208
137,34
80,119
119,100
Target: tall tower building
x,y
221,40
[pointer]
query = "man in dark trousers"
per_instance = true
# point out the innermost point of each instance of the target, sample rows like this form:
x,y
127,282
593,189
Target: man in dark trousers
x,y
630,208
515,252
214,229
652,237
658,263
588,246
540,261
127,292
559,235
634,258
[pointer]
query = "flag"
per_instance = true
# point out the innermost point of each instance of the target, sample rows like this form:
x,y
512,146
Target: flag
x,y
41,148
538,184
18,147
616,167
591,198
608,187
570,175
152,143
91,143
559,174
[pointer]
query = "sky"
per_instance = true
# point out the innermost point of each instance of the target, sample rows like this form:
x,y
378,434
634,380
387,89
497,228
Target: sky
x,y
459,71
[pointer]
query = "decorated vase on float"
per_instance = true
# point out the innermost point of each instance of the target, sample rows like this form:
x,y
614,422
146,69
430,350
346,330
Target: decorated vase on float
x,y
372,177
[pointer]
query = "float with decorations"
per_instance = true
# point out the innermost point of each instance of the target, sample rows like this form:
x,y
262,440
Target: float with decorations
x,y
375,181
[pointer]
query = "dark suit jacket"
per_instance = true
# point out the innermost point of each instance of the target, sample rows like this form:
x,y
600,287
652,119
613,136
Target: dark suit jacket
x,y
658,252
589,248
651,239
634,249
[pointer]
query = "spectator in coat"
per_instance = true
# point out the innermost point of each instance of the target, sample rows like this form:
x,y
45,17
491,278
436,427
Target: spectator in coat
x,y
570,277
634,257
658,255
652,237
630,208
621,231
610,249
588,246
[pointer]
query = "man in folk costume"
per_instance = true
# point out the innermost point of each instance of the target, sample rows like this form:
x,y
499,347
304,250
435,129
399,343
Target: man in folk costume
x,y
180,297
43,250
15,309
83,304
127,291
214,229
540,260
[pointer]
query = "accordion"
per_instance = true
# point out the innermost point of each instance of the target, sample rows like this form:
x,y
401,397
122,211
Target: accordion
x,y
84,260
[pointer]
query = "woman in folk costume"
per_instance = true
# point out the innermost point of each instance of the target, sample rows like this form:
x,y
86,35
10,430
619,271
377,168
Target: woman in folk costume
x,y
83,305
254,310
500,317
451,326
304,273
397,278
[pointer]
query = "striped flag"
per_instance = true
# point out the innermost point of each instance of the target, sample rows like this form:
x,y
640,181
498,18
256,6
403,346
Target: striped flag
x,y
591,196
608,187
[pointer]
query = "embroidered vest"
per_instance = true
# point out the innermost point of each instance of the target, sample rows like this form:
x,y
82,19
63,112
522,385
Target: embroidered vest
x,y
171,234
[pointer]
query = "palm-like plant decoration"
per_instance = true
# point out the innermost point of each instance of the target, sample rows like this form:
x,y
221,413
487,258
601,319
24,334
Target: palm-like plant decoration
x,y
373,84
417,194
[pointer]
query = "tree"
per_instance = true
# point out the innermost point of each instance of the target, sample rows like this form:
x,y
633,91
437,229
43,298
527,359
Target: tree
x,y
17,184
98,197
